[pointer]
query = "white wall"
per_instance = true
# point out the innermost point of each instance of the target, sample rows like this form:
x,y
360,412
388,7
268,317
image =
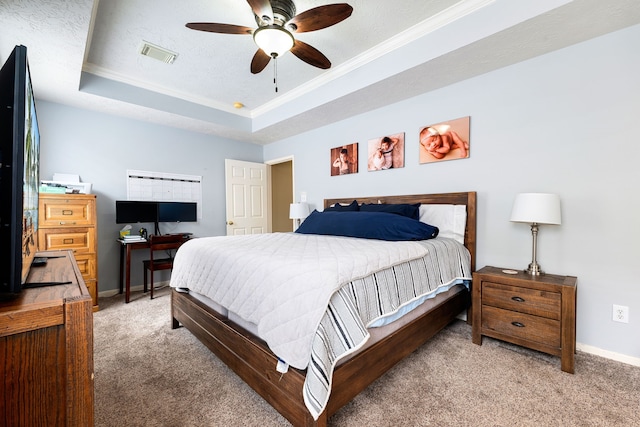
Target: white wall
x,y
564,123
100,148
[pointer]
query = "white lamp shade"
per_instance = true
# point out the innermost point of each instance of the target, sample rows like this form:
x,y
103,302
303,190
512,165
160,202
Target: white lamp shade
x,y
540,208
298,210
273,40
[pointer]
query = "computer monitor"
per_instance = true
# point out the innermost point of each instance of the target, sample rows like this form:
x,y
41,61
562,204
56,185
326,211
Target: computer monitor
x,y
133,211
177,212
129,211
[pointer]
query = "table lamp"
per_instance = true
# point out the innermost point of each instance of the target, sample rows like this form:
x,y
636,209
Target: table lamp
x,y
535,209
298,211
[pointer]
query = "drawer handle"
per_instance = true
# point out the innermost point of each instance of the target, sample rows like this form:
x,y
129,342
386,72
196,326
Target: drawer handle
x,y
67,212
517,299
67,241
518,324
65,223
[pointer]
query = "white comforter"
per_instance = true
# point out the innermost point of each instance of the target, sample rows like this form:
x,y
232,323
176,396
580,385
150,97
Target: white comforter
x,y
282,282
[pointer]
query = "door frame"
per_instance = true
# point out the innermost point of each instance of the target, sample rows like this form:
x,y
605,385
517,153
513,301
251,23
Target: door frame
x,y
289,158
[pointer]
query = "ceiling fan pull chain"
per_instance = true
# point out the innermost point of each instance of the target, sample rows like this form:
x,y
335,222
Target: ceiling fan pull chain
x,y
275,73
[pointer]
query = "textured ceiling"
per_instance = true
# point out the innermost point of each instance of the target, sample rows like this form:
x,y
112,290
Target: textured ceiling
x,y
85,54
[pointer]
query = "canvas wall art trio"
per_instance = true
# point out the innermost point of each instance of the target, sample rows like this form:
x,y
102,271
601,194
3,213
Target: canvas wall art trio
x,y
437,142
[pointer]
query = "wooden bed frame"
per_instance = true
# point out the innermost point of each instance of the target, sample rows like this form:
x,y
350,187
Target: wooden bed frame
x,y
250,358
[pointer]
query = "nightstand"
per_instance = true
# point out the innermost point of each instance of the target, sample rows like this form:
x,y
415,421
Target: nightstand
x,y
537,312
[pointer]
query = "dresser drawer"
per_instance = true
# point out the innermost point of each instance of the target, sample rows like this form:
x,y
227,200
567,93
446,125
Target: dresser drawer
x,y
532,328
66,212
77,239
523,300
87,265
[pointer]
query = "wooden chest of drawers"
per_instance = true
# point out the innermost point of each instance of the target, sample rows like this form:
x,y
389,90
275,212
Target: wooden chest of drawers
x,y
69,222
537,312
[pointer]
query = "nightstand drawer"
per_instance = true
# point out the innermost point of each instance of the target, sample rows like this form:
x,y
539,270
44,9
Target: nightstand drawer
x,y
532,328
523,300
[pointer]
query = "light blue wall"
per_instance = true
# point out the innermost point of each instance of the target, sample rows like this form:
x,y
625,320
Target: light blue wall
x,y
100,148
563,123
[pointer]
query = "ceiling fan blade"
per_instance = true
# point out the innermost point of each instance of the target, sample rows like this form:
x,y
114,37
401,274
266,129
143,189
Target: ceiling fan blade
x,y
259,61
219,28
261,8
321,17
310,55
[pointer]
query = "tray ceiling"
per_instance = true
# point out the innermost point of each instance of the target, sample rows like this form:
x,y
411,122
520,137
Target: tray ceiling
x,y
87,54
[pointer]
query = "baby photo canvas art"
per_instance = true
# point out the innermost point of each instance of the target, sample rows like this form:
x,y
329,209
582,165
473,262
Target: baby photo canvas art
x,y
445,141
386,152
344,159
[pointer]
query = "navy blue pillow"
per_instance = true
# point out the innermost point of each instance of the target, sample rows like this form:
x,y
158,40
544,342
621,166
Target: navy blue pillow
x,y
353,206
410,211
367,225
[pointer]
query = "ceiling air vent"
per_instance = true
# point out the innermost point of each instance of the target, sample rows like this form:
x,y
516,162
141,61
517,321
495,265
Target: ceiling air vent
x,y
157,52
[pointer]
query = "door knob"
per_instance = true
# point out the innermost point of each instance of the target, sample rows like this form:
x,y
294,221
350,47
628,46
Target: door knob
x,y
229,222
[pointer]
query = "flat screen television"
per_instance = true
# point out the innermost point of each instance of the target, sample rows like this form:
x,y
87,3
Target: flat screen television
x,y
19,173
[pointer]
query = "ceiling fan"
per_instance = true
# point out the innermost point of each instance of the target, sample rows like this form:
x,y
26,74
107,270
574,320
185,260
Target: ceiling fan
x,y
277,21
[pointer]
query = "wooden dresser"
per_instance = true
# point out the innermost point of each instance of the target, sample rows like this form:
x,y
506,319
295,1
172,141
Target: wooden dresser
x,y
69,221
538,312
46,349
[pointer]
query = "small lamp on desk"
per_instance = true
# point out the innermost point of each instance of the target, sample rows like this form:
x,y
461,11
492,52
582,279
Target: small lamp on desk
x,y
297,212
536,208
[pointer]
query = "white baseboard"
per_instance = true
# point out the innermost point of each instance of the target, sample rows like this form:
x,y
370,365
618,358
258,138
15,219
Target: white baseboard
x,y
630,360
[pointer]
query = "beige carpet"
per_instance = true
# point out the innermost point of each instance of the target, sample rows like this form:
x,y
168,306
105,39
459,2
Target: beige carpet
x,y
150,375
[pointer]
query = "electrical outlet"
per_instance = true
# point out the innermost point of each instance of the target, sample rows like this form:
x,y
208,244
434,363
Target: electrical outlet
x,y
620,313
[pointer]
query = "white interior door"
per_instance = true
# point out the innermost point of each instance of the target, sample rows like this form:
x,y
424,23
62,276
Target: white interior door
x,y
247,197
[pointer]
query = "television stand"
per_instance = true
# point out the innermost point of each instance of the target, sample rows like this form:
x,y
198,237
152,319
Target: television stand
x,y
46,335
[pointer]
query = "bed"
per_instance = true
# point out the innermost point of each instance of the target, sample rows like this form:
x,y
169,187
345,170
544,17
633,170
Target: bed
x,y
238,346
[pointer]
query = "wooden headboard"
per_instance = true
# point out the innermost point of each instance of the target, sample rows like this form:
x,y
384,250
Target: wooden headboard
x,y
468,199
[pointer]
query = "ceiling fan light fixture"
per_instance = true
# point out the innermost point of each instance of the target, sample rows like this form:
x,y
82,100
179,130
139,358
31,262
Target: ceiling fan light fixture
x,y
273,40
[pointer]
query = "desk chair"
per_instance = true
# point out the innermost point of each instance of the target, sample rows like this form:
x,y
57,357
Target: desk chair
x,y
161,243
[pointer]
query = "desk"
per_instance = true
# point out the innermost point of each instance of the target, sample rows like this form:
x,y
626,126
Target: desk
x,y
125,262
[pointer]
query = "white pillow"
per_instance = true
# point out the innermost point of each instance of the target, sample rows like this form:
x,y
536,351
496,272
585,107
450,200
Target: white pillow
x,y
450,219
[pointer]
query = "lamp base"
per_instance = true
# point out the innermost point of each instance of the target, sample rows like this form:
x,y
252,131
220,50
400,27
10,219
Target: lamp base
x,y
534,269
